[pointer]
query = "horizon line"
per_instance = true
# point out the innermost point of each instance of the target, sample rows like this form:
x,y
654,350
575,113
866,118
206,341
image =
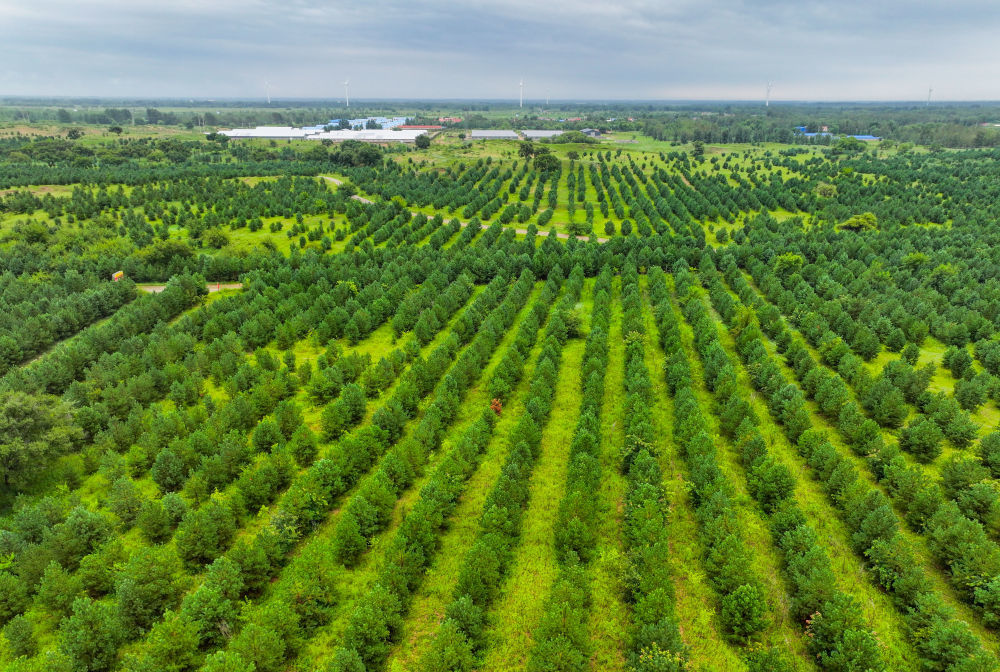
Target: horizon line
x,y
9,98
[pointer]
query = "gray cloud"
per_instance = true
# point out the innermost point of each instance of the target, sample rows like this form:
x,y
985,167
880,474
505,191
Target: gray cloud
x,y
435,49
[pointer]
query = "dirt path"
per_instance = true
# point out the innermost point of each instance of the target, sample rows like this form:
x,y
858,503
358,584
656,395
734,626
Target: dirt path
x,y
212,287
523,232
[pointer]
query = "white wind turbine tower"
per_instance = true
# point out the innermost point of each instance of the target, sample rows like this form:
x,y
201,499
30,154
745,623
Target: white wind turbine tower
x,y
767,96
267,91
347,97
929,92
522,92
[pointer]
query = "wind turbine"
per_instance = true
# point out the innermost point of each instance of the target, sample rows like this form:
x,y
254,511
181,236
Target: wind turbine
x,y
347,97
767,96
267,91
522,92
929,92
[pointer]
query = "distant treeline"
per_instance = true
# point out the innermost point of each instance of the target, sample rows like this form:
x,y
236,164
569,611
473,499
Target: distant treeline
x,y
944,124
947,126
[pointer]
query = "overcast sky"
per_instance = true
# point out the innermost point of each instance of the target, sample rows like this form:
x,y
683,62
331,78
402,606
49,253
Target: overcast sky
x,y
626,49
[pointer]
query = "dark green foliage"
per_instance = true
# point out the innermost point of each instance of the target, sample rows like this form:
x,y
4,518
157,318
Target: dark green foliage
x,y
266,436
91,635
223,451
13,596
653,639
81,533
169,470
203,534
761,659
97,570
58,589
125,501
348,542
344,413
989,451
770,482
173,646
839,639
922,438
957,360
373,625
288,417
837,634
214,607
345,660
885,403
451,651
260,646
36,430
971,393
146,587
154,522
745,610
20,637
226,661
302,446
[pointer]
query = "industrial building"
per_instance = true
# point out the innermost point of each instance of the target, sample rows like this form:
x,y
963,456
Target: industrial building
x,y
537,135
383,135
362,122
289,133
493,135
267,132
804,132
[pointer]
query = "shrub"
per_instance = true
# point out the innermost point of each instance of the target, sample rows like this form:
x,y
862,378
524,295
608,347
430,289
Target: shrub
x,y
20,637
922,439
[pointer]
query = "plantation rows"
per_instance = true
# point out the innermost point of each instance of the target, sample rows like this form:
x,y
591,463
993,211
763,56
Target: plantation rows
x,y
411,442
172,408
298,479
235,476
35,314
619,190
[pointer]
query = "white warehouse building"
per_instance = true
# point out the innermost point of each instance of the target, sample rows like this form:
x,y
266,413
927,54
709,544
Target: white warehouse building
x,y
267,132
538,135
369,135
493,135
290,133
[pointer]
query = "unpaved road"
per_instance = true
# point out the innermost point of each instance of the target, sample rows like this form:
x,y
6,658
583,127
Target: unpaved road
x,y
523,232
212,287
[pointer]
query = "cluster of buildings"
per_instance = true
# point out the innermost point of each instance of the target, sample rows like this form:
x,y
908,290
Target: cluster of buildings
x,y
363,123
824,131
364,129
317,133
393,129
493,134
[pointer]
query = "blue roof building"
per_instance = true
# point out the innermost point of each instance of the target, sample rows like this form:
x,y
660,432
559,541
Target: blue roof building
x,y
801,130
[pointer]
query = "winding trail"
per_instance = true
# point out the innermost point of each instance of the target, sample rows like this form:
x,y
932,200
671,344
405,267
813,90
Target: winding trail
x,y
523,232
